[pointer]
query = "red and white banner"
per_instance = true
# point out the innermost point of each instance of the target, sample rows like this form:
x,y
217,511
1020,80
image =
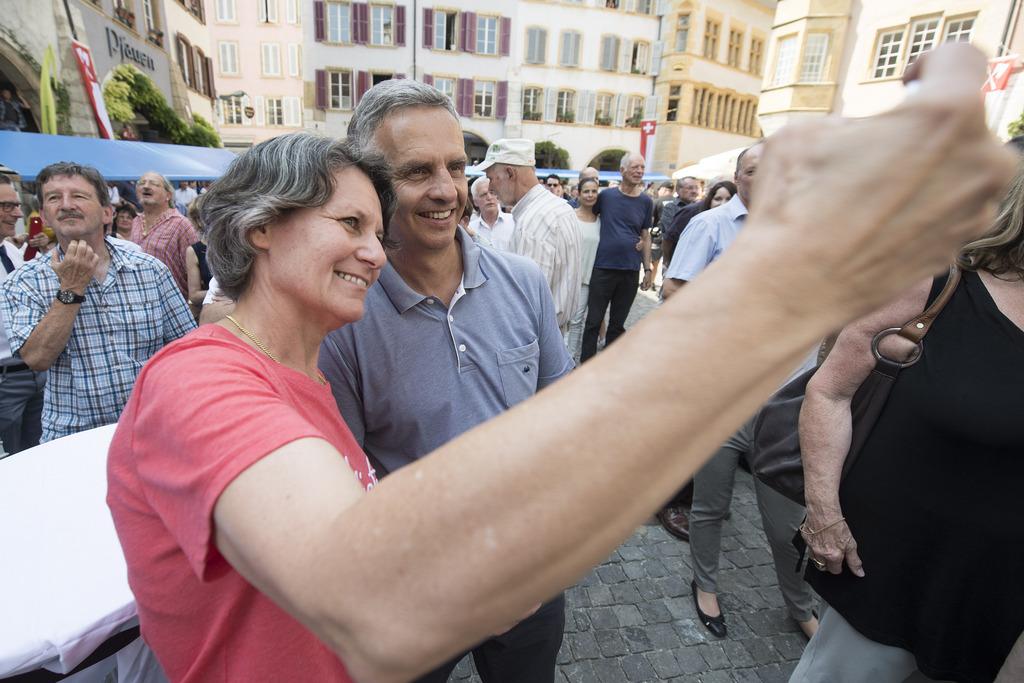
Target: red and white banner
x,y
92,86
999,71
647,131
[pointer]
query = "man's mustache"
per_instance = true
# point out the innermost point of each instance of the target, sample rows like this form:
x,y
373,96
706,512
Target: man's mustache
x,y
69,214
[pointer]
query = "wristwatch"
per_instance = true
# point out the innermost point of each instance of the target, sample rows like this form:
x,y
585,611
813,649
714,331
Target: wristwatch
x,y
66,296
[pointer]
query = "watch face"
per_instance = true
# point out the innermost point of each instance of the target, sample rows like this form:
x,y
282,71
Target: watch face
x,y
66,296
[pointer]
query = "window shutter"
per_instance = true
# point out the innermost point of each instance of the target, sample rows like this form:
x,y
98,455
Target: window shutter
x,y
501,105
470,31
621,102
651,108
428,27
362,84
506,37
550,104
291,111
625,55
463,31
428,79
260,111
663,7
400,25
321,89
656,52
361,23
588,107
630,5
467,106
210,89
319,21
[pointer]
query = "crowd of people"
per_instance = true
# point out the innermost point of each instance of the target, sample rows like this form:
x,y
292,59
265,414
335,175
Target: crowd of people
x,y
365,329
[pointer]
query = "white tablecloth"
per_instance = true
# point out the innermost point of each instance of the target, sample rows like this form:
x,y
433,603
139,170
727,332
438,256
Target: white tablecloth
x,y
63,584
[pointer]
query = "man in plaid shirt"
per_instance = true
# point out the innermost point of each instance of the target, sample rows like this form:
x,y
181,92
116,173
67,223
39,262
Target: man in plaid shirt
x,y
91,312
160,230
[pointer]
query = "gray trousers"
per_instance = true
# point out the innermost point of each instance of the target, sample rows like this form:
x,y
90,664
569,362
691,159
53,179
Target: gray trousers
x,y
21,407
712,494
839,654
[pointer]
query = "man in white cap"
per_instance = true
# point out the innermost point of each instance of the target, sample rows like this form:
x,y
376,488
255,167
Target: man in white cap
x,y
546,227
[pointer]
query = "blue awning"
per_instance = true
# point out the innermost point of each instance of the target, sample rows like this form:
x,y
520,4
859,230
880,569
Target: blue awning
x,y
567,174
29,153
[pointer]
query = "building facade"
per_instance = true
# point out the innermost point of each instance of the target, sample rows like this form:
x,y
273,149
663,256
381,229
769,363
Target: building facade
x,y
710,79
848,56
188,40
257,68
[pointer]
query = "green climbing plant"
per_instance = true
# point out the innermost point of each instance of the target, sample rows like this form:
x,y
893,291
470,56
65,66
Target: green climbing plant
x,y
130,92
1016,127
550,155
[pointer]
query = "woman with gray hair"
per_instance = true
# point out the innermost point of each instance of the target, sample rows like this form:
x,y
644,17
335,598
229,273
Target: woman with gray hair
x,y
239,495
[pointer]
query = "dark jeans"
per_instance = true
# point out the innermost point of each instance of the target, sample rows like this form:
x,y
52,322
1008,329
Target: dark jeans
x,y
615,287
21,407
525,654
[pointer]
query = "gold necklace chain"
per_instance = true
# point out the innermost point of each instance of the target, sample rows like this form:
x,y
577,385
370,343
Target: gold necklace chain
x,y
263,347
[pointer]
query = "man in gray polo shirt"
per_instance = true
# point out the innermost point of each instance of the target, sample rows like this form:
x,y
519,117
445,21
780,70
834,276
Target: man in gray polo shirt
x,y
452,334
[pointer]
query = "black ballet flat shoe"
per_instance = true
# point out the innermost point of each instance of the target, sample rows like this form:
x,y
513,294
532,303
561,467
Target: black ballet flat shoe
x,y
716,625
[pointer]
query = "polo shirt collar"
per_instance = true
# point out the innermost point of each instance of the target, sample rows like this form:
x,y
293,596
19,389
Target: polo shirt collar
x,y
403,297
735,208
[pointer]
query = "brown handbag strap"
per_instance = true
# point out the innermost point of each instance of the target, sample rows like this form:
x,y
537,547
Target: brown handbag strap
x,y
916,328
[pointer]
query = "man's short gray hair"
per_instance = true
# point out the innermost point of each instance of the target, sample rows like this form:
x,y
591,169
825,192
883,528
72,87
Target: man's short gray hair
x,y
167,186
624,162
478,183
269,181
387,97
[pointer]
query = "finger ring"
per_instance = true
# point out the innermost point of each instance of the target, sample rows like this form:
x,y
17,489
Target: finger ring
x,y
818,564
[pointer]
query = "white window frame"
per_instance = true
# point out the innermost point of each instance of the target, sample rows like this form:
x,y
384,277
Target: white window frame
x,y
227,58
267,10
232,108
924,36
536,45
785,60
446,84
640,60
954,31
607,112
565,103
270,56
226,11
682,30
569,43
536,101
812,66
339,81
484,99
294,60
291,11
339,22
756,66
149,14
382,25
888,51
442,29
274,111
486,34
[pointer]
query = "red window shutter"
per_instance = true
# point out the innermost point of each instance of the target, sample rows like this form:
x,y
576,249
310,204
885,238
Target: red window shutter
x,y
400,25
321,89
506,36
362,84
463,31
428,79
319,21
460,99
360,23
428,27
501,106
471,31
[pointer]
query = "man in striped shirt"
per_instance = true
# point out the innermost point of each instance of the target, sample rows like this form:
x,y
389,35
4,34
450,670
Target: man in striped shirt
x,y
546,227
160,230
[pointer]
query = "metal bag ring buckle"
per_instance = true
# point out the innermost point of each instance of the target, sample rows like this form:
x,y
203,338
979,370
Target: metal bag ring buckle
x,y
878,354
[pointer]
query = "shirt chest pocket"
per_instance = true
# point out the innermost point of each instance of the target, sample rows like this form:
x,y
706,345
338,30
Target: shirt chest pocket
x,y
518,369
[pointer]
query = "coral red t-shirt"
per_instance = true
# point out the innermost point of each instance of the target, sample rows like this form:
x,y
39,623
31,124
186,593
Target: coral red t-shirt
x,y
203,410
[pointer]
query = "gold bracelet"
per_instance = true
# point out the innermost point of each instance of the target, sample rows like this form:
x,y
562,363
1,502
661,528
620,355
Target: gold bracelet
x,y
805,530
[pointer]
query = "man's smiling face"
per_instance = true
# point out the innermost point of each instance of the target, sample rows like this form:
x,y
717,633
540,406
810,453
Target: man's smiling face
x,y
424,147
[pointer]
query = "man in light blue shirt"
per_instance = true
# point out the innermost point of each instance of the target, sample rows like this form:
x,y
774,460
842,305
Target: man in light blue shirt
x,y
452,335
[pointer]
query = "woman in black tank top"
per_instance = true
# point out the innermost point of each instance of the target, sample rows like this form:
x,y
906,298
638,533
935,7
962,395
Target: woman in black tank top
x,y
922,541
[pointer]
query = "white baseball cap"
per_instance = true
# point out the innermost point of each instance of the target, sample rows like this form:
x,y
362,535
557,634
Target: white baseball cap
x,y
511,151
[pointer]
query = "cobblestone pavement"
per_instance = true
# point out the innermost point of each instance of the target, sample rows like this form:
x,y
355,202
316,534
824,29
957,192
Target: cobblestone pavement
x,y
632,618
